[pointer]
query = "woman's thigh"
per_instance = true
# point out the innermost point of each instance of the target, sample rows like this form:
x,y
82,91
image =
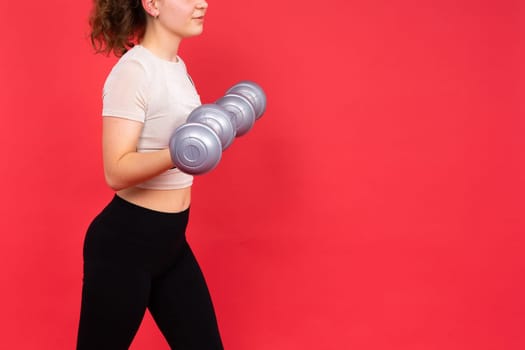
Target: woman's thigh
x,y
182,307
114,300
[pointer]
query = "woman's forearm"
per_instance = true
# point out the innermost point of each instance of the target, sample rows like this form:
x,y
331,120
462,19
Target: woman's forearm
x,y
134,168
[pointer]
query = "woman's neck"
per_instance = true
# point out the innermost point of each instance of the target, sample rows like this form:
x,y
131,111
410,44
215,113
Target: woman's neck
x,y
161,43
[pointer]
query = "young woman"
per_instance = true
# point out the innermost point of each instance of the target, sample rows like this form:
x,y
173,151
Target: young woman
x,y
136,256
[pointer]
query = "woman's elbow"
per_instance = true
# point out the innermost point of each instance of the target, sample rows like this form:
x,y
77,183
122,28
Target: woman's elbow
x,y
114,182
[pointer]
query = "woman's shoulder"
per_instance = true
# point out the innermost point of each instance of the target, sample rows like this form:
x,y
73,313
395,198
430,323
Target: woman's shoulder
x,y
135,55
133,62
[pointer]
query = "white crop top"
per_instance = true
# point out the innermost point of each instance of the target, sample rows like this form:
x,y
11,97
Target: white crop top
x,y
158,93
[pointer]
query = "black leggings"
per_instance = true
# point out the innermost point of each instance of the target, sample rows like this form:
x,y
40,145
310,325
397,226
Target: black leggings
x,y
136,258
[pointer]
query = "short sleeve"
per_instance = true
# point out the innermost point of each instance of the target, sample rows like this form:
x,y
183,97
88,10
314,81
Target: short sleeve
x,y
124,92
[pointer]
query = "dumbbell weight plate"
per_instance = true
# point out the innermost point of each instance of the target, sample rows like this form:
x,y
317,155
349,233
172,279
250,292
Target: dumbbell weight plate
x,y
253,92
242,112
195,148
217,118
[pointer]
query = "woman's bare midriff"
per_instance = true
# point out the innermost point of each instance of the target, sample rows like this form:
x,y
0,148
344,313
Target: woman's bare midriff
x,y
168,201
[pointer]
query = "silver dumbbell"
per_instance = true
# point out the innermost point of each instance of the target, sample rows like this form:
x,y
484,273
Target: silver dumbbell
x,y
246,101
196,146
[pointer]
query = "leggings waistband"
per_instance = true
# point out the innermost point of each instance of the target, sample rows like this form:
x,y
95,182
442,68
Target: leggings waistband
x,y
123,213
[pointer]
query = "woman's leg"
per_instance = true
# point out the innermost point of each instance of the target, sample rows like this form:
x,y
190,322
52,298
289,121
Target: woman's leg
x,y
181,305
116,283
114,301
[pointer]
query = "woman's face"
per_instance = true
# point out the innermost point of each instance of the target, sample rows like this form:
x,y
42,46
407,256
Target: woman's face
x,y
183,18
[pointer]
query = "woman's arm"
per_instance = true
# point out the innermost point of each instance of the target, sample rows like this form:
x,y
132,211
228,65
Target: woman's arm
x,y
123,165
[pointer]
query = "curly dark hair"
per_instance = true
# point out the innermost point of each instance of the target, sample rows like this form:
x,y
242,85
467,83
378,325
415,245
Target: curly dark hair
x,y
116,25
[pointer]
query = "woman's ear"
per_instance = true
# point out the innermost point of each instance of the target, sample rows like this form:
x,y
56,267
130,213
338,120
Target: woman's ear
x,y
150,6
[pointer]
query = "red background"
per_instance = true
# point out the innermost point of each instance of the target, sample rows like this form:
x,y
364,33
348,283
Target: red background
x,y
377,205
